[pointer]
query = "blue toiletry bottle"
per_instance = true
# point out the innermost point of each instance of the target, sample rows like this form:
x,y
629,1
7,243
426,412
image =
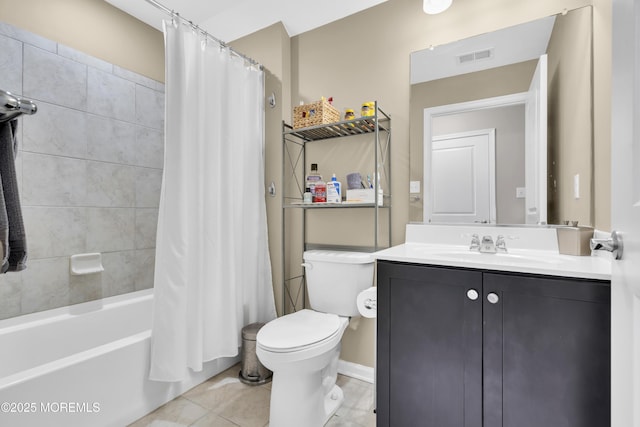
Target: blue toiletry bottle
x,y
334,190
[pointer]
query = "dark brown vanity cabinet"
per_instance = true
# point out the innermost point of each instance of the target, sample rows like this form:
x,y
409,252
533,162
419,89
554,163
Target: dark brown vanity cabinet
x,y
476,348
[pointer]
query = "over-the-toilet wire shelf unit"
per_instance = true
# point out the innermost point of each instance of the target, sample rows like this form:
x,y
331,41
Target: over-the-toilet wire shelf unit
x,y
374,131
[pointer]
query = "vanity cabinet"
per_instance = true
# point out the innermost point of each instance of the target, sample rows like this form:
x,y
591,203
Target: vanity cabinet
x,y
463,347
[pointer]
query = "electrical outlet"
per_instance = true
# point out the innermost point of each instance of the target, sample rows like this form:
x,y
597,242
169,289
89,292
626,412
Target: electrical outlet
x,y
414,187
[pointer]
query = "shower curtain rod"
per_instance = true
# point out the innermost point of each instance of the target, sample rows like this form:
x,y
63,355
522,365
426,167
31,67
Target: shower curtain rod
x,y
12,106
203,32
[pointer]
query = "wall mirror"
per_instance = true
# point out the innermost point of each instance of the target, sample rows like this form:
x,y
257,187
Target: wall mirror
x,y
489,115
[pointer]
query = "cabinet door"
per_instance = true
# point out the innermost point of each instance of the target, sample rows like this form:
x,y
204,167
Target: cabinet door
x,y
429,347
546,352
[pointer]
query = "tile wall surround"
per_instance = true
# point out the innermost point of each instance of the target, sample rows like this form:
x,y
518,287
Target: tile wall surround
x,y
89,169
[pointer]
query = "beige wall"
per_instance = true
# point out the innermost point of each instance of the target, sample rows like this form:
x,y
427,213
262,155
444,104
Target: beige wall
x,y
93,27
602,114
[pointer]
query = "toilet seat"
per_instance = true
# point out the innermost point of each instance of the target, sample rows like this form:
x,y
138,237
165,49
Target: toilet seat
x,y
298,331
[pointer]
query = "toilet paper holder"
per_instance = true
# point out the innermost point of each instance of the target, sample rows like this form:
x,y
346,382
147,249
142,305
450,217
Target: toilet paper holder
x,y
371,304
367,302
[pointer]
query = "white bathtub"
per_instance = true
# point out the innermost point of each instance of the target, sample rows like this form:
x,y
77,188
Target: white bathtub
x,y
84,365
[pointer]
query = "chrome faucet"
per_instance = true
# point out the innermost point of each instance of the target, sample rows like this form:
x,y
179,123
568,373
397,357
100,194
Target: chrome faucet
x,y
501,245
487,246
475,243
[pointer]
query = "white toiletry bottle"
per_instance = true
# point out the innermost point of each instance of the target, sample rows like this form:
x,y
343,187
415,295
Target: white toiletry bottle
x,y
334,190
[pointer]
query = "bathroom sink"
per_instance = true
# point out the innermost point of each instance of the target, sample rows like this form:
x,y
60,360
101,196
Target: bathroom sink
x,y
463,254
494,258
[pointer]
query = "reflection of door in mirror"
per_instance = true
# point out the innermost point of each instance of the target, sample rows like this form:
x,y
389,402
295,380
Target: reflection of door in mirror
x,y
521,154
463,178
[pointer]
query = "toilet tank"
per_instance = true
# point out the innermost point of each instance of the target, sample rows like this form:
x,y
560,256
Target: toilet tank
x,y
335,278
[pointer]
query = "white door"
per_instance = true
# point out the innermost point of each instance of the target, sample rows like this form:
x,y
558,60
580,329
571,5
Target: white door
x,y
625,204
535,146
463,178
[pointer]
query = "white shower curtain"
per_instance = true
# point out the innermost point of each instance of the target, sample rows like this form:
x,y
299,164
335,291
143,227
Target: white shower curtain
x,y
212,273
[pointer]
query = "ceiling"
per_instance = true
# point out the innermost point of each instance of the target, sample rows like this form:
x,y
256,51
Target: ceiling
x,y
229,20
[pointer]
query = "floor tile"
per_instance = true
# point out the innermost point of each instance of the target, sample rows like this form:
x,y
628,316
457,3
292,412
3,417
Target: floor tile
x,y
357,394
213,420
179,412
353,418
251,409
216,393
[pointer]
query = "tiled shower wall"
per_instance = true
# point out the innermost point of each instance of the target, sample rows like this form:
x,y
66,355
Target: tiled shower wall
x,y
90,170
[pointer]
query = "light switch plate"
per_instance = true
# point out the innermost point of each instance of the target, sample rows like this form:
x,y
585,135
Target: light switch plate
x,y
521,192
414,187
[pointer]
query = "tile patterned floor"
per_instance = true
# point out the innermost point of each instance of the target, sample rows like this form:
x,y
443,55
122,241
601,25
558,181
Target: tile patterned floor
x,y
223,401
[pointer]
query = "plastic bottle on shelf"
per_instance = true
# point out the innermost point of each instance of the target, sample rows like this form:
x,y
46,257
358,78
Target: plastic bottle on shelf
x,y
334,190
364,111
306,197
320,192
312,179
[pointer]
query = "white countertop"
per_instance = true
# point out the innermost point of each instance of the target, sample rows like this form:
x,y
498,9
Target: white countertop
x,y
588,267
427,246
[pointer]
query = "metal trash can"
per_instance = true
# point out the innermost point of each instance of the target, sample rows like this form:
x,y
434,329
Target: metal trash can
x,y
252,372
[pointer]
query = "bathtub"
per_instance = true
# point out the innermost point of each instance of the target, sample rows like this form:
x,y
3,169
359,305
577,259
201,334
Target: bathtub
x,y
84,365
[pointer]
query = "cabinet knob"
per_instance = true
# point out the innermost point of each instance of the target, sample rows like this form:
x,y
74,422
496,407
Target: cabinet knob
x,y
493,298
472,294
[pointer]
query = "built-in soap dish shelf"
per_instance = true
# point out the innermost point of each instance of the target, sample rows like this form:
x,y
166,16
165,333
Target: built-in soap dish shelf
x,y
81,264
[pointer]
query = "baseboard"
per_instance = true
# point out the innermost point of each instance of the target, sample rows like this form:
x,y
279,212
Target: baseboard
x,y
354,370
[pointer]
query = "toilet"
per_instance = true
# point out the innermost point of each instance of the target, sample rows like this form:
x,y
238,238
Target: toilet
x,y
302,348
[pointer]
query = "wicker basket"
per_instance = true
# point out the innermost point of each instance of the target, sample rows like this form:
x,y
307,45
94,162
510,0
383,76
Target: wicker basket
x,y
316,113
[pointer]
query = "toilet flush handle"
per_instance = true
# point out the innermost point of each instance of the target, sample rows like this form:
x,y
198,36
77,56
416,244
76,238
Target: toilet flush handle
x,y
307,265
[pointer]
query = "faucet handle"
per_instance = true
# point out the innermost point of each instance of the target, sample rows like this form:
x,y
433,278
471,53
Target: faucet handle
x,y
501,244
475,243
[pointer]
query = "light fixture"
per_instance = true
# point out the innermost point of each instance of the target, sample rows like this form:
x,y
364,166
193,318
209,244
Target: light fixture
x,y
435,6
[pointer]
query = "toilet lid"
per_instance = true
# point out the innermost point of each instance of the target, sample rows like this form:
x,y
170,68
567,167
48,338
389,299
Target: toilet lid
x,y
299,329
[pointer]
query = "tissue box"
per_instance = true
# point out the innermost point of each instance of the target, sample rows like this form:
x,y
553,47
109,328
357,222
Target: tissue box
x,y
364,195
574,240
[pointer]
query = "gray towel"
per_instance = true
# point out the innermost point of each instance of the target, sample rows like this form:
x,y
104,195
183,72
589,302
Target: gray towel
x,y
11,215
4,229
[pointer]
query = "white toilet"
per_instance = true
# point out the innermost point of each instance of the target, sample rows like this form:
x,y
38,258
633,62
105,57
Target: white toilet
x,y
302,348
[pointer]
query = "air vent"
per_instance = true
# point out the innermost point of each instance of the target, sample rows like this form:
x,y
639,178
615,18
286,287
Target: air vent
x,y
478,55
